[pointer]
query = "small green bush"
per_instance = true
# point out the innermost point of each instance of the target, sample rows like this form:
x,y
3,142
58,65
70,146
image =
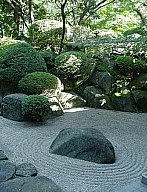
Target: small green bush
x,y
73,68
36,108
127,65
37,82
10,75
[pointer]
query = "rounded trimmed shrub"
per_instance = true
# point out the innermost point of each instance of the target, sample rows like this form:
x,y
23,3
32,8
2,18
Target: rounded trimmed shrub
x,y
37,82
24,58
73,68
36,108
127,65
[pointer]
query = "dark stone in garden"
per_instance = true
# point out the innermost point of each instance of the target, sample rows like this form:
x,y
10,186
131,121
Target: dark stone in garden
x,y
2,155
96,98
123,102
140,82
140,98
103,80
86,144
11,106
7,170
30,184
26,170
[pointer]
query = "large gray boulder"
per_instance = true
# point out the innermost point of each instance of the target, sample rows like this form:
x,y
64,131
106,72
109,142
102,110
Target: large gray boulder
x,y
69,100
26,170
103,80
11,106
30,184
86,144
7,171
96,98
140,98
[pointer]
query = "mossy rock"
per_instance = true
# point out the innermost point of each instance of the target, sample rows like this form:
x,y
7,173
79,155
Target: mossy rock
x,y
73,68
140,82
140,98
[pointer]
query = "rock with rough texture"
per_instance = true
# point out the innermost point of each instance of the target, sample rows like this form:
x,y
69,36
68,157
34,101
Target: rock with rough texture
x,y
86,144
123,102
140,82
7,170
140,98
0,103
103,80
56,107
96,98
30,184
69,100
2,155
26,170
11,106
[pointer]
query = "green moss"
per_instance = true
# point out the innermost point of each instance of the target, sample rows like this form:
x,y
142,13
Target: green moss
x,y
37,82
36,108
73,68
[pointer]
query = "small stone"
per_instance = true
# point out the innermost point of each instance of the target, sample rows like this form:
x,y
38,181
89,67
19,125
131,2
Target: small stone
x,y
26,170
30,184
7,170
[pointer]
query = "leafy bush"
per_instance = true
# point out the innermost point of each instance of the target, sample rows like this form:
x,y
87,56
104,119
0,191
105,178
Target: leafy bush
x,y
128,65
49,58
37,82
22,57
73,68
10,75
36,108
45,34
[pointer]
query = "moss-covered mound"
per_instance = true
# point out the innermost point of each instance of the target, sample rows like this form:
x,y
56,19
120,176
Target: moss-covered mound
x,y
36,108
73,68
37,82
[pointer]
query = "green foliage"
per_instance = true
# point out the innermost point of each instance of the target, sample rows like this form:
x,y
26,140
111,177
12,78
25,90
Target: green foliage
x,y
37,82
45,34
127,65
22,57
36,108
73,68
10,75
49,58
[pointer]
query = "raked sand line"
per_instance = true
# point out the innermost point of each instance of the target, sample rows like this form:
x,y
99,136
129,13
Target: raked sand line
x,y
25,142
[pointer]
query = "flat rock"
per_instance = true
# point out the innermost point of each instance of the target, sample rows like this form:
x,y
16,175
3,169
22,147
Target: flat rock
x,y
69,100
86,144
30,184
26,170
7,170
11,106
2,155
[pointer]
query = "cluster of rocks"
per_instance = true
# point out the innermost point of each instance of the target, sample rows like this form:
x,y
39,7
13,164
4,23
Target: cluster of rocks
x,y
103,92
23,178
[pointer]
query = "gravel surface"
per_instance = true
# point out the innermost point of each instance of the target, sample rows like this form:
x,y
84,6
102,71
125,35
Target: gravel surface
x,y
28,142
